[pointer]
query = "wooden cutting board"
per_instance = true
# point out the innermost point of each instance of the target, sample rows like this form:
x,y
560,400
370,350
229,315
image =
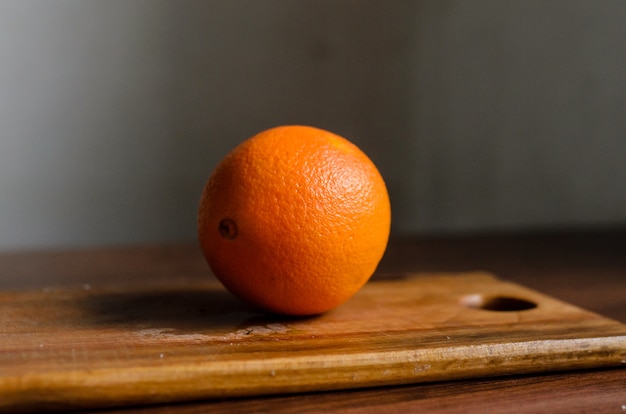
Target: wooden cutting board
x,y
92,347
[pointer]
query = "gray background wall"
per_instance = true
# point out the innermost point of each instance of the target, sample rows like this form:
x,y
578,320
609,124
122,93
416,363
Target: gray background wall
x,y
482,115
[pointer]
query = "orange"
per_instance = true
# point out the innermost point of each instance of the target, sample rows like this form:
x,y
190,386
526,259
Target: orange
x,y
294,220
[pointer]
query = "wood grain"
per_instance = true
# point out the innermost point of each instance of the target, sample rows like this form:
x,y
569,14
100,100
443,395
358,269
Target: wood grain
x,y
581,392
166,342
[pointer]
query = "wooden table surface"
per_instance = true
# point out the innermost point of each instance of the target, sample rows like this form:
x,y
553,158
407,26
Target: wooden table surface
x,y
587,269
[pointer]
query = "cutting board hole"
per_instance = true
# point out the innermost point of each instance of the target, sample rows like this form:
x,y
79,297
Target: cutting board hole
x,y
498,303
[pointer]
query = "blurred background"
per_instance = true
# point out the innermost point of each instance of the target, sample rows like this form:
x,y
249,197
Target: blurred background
x,y
482,116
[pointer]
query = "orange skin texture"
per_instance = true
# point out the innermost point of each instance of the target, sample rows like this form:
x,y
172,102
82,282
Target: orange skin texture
x,y
294,220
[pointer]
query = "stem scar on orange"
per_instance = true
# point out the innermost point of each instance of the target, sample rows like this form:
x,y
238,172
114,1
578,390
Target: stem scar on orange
x,y
294,220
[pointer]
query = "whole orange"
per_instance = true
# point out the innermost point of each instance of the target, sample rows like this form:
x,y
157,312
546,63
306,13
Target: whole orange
x,y
294,220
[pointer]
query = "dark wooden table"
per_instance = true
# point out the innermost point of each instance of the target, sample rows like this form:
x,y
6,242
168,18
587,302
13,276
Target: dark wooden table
x,y
584,268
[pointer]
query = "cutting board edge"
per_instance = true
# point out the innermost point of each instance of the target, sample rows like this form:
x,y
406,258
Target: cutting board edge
x,y
154,384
